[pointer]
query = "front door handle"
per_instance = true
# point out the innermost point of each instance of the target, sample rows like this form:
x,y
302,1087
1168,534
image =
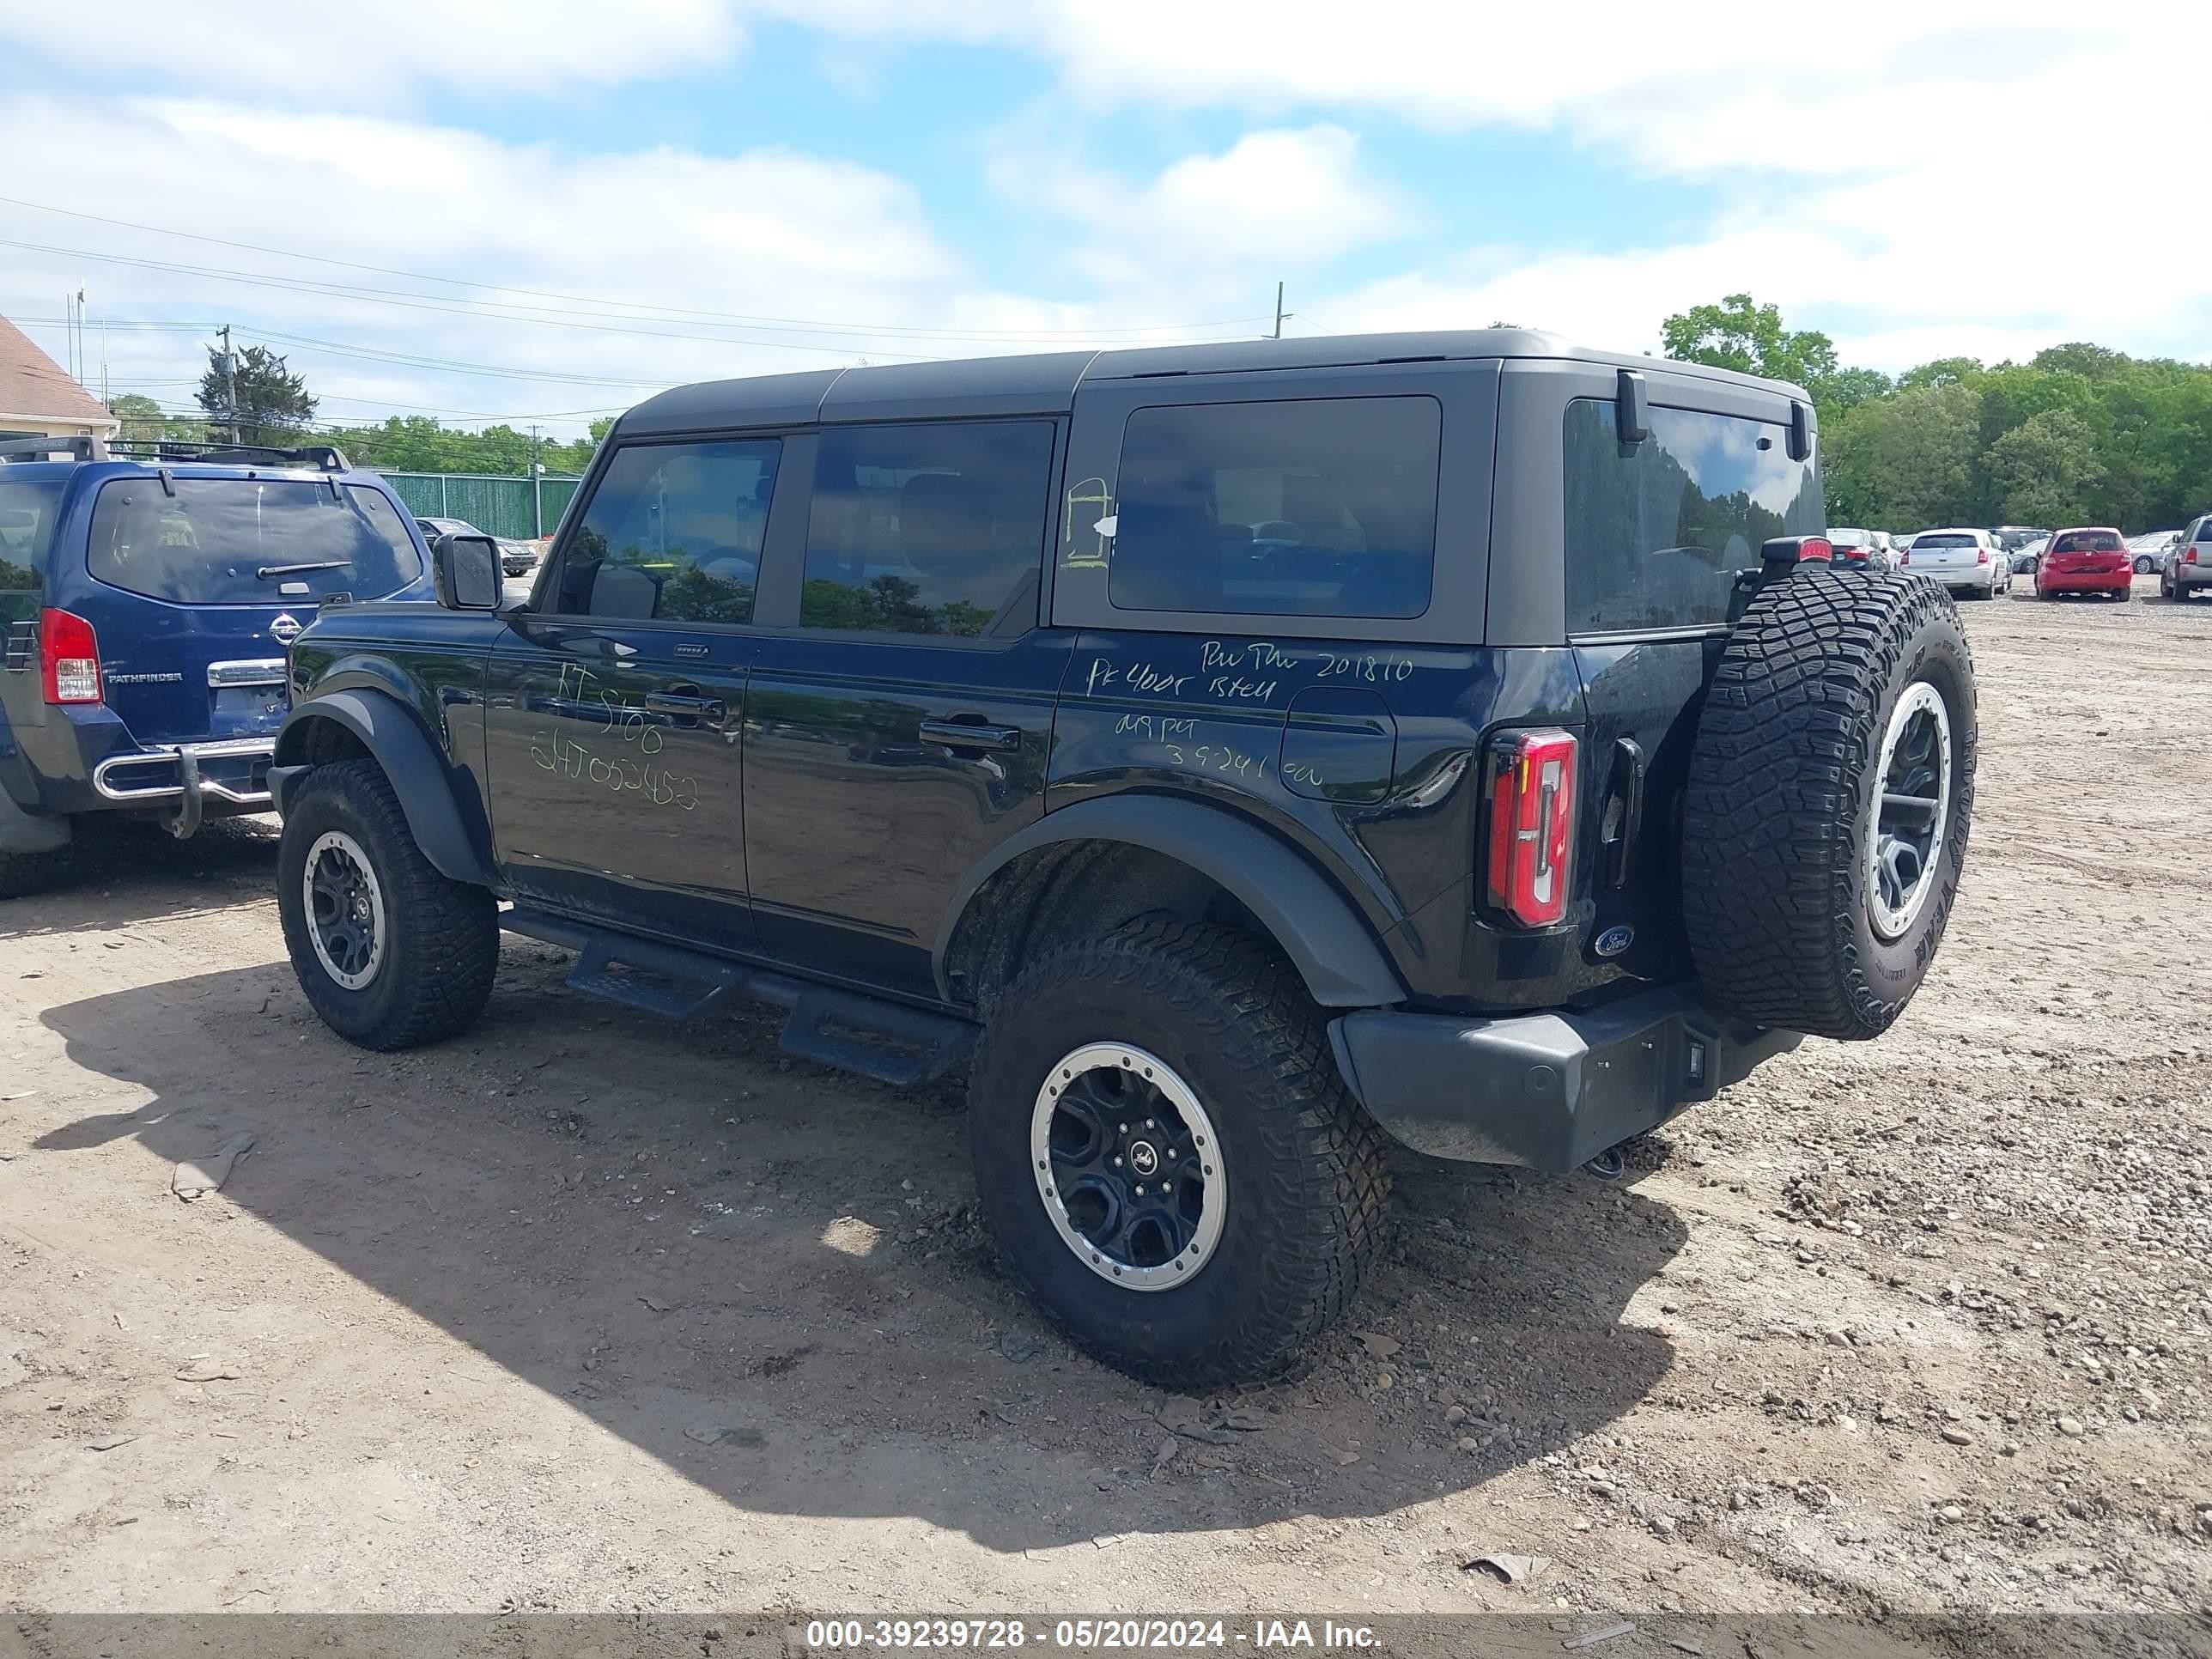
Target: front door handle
x,y
971,734
684,708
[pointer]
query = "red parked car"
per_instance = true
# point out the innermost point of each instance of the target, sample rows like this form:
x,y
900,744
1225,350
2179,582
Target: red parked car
x,y
2086,562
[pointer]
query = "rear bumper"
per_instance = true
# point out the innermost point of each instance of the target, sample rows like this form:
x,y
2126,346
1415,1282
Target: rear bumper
x,y
2085,582
1548,1091
1985,576
234,771
2192,576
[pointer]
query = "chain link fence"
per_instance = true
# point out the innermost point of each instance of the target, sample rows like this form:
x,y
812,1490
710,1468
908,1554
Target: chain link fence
x,y
517,508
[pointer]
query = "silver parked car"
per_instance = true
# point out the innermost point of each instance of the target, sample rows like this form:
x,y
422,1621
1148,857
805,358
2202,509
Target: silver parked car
x,y
1967,562
2150,549
515,558
2188,565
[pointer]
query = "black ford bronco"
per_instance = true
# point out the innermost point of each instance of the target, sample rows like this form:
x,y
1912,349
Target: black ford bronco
x,y
1231,754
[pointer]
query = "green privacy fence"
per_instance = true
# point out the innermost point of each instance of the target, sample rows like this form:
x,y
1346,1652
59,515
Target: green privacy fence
x,y
514,508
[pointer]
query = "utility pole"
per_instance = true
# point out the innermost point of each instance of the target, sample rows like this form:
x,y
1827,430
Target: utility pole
x,y
1279,314
229,383
536,488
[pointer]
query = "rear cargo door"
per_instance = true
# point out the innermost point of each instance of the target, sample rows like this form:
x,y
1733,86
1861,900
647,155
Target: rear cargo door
x,y
194,584
1654,535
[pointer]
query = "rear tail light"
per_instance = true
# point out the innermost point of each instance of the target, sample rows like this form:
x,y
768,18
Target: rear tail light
x,y
1530,865
1904,558
1982,555
2190,557
69,658
1817,548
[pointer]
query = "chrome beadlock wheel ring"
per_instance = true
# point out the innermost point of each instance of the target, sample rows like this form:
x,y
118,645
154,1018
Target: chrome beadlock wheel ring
x,y
1905,834
1128,1166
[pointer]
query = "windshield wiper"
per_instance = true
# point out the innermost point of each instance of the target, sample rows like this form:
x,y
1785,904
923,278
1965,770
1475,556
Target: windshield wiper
x,y
268,571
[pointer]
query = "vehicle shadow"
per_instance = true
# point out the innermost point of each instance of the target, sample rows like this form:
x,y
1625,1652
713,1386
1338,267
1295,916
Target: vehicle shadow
x,y
128,871
772,1279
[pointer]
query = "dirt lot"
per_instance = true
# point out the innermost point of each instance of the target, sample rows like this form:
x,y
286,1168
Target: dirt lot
x,y
586,1312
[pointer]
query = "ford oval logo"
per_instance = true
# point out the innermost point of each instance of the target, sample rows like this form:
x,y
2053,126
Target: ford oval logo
x,y
286,627
1614,940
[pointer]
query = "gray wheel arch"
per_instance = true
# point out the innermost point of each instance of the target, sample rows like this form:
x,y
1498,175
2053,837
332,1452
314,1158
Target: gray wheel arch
x,y
1326,938
445,814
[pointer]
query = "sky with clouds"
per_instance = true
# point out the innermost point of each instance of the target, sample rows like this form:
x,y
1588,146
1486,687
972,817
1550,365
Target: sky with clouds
x,y
480,210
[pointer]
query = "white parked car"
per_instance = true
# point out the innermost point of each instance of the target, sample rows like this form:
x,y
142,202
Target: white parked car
x,y
1967,562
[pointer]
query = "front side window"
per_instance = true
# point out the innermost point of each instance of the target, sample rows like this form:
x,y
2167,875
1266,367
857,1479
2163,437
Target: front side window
x,y
928,529
1308,507
672,533
248,541
1656,531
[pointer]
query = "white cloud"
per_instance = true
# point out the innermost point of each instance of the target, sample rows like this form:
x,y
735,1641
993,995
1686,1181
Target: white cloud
x,y
1277,200
379,59
768,233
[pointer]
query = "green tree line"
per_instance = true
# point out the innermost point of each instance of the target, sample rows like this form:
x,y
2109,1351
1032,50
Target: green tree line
x,y
2079,434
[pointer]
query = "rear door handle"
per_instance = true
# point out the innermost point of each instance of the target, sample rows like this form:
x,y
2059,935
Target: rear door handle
x,y
683,706
971,734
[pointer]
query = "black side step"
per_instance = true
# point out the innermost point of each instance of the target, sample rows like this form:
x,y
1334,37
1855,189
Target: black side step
x,y
680,984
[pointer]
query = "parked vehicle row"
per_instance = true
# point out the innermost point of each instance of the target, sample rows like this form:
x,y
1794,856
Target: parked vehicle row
x,y
1150,732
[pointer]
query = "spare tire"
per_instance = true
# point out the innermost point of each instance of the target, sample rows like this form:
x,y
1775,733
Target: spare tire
x,y
1825,819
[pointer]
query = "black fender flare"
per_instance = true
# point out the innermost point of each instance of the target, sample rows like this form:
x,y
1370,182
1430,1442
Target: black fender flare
x,y
1326,939
453,835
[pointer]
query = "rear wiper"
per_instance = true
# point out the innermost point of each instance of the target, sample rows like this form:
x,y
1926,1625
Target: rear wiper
x,y
271,571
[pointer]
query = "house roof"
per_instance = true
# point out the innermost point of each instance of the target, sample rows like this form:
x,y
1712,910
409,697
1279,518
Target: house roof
x,y
35,385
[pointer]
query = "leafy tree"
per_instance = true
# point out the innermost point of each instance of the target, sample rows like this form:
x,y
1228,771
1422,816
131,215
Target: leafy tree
x,y
140,416
2042,471
1906,461
1750,338
272,404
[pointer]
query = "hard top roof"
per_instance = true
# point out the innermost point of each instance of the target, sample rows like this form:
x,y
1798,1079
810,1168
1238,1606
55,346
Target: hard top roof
x,y
1045,384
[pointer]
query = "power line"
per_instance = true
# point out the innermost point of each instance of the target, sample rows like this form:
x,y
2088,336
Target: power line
x,y
372,354
795,323
486,310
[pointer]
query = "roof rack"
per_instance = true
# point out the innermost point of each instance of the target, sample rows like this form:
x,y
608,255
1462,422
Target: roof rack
x,y
83,448
329,457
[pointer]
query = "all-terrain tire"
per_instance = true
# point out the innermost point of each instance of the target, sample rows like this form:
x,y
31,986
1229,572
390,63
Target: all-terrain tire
x,y
22,874
441,948
1782,798
1306,1188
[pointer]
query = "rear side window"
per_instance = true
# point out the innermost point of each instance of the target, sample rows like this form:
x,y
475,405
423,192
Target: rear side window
x,y
2086,541
932,529
1656,531
1312,508
672,533
247,541
26,529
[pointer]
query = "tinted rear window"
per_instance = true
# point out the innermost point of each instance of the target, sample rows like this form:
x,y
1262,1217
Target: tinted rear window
x,y
1943,541
2088,541
1307,508
1656,531
2204,532
26,527
226,541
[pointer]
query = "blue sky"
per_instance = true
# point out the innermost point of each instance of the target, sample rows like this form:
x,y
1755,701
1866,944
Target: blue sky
x,y
953,177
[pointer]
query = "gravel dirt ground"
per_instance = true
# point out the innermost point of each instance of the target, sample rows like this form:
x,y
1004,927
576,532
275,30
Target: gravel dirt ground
x,y
585,1312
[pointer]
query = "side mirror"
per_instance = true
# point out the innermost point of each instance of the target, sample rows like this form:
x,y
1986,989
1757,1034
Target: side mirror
x,y
465,571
